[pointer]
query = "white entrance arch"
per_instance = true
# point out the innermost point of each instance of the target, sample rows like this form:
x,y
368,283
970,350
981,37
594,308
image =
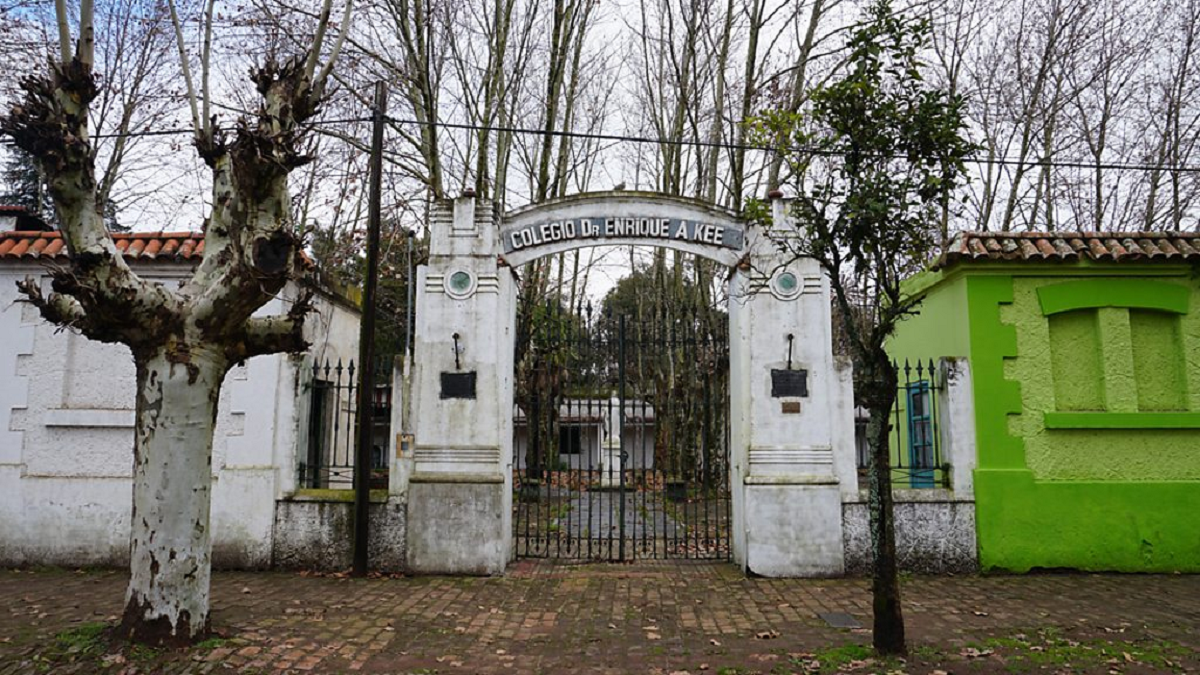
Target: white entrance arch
x,y
791,416
615,218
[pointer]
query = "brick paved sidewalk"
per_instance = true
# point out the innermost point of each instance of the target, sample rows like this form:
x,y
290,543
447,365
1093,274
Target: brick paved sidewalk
x,y
644,618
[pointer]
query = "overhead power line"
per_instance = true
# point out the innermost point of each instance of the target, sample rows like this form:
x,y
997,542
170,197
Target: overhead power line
x,y
623,138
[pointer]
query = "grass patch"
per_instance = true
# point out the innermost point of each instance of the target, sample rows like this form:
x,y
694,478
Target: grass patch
x,y
143,654
211,643
1049,648
927,652
83,640
845,658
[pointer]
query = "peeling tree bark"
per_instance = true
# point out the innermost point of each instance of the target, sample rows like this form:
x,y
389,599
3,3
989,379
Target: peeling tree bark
x,y
183,341
170,540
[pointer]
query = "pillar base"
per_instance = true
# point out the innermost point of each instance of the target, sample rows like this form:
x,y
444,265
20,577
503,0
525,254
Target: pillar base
x,y
458,526
794,528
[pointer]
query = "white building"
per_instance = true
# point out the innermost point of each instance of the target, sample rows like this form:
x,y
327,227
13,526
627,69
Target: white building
x,y
587,433
67,411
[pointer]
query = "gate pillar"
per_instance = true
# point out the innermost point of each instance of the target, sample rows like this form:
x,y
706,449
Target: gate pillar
x,y
789,415
460,491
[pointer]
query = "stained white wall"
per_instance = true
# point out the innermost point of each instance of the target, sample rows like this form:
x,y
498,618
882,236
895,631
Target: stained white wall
x,y
66,435
790,455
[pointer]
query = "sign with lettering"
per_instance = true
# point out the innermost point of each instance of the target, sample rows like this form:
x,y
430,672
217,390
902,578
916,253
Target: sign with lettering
x,y
601,227
788,383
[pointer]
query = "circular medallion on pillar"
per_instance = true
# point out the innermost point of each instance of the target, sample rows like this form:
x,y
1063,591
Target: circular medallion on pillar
x,y
785,285
460,284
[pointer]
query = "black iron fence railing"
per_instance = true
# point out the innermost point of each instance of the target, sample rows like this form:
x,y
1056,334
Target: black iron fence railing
x,y
328,460
914,439
621,447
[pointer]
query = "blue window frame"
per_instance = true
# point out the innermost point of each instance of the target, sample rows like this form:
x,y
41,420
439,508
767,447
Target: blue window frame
x,y
920,434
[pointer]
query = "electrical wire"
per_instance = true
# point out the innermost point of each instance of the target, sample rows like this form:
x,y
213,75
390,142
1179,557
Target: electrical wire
x,y
623,138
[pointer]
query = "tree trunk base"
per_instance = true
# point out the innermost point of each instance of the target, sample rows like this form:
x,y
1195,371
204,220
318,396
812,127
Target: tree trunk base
x,y
159,632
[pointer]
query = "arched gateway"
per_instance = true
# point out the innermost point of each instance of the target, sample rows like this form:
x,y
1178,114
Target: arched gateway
x,y
785,476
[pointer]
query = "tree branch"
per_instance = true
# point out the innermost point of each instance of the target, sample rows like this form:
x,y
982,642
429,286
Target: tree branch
x,y
87,33
51,124
323,76
64,31
67,312
274,334
197,123
207,121
314,50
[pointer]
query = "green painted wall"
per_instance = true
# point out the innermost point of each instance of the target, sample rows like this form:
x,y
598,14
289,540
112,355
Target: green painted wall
x,y
1125,496
939,328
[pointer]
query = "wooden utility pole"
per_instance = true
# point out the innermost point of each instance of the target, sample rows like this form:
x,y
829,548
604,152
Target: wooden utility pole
x,y
366,342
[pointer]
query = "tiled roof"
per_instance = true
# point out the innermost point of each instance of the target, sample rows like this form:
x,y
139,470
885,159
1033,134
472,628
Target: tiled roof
x,y
9,208
1071,246
156,246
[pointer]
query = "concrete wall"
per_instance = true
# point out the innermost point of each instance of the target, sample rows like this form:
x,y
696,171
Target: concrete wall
x,y
313,534
66,436
935,533
792,454
460,484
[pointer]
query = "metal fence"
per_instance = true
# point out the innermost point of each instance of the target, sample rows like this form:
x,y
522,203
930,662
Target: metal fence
x,y
914,438
328,461
621,437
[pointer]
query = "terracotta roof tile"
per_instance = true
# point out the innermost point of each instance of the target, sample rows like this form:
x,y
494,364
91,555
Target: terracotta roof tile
x,y
159,246
1069,246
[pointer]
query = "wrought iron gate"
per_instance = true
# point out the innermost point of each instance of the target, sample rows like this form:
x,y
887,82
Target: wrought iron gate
x,y
621,437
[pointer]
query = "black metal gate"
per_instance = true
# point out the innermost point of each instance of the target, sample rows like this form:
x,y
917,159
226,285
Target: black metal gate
x,y
621,437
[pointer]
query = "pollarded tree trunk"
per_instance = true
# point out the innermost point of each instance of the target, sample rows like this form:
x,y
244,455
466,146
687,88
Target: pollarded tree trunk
x,y
170,539
183,340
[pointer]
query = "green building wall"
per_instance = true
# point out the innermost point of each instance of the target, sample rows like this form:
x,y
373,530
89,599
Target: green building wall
x,y
1087,400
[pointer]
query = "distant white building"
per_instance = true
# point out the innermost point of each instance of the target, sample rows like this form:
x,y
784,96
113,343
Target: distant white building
x,y
587,433
67,412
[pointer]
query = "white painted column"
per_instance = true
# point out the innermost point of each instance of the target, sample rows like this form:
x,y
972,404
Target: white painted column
x,y
787,506
957,425
460,489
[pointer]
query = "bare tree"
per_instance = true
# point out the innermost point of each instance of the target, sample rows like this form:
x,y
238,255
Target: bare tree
x,y
183,341
1175,118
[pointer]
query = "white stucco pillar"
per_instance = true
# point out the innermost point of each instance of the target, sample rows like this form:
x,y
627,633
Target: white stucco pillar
x,y
957,425
787,404
460,488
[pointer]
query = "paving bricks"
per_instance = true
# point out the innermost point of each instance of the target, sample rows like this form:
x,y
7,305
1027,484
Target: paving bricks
x,y
559,618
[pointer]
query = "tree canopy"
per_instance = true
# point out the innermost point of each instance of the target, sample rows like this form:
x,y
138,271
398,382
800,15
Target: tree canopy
x,y
876,159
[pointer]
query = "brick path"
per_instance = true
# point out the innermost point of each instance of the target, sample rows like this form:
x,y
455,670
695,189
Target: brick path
x,y
557,618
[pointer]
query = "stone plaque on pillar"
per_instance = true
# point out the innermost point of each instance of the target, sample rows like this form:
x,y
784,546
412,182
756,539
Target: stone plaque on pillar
x,y
789,383
458,385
